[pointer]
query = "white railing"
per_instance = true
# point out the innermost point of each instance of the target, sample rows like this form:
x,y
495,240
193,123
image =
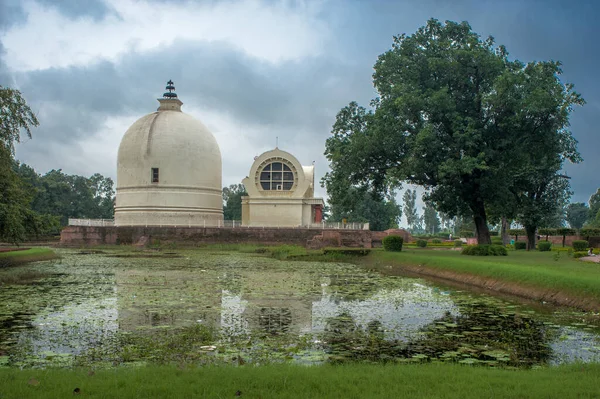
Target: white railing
x,y
322,225
91,222
236,224
340,225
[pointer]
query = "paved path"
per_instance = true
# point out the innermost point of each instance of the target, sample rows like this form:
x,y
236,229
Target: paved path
x,y
595,259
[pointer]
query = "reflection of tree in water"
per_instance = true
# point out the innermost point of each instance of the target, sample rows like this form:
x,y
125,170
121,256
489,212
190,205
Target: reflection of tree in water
x,y
352,286
275,320
481,334
340,329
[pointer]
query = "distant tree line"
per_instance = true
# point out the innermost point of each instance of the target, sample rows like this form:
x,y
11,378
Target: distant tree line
x,y
68,196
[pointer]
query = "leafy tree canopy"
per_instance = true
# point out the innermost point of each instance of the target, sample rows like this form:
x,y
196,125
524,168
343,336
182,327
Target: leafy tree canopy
x,y
457,117
360,206
594,216
15,116
232,201
577,214
68,196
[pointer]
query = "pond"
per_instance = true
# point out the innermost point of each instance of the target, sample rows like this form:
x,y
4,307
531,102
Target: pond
x,y
112,307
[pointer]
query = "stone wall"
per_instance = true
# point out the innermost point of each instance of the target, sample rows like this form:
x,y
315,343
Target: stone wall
x,y
78,236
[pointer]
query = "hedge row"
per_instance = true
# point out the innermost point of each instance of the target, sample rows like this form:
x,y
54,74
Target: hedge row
x,y
485,250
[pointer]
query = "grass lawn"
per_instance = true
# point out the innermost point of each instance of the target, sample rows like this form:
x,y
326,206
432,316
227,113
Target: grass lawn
x,y
287,381
28,255
548,270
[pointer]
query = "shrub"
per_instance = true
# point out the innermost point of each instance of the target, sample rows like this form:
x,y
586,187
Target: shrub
x,y
520,245
421,243
544,246
458,243
497,240
436,241
580,245
579,254
485,250
392,243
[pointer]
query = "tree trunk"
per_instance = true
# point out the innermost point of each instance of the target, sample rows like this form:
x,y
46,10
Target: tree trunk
x,y
564,239
504,231
481,227
530,237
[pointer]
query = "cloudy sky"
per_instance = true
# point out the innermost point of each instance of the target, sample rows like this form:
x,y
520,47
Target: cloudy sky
x,y
253,70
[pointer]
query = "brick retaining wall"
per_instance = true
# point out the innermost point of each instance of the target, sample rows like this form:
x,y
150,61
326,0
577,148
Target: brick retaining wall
x,y
77,236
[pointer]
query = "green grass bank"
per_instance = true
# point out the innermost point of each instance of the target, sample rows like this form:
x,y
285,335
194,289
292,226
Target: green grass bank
x,y
549,276
287,381
10,258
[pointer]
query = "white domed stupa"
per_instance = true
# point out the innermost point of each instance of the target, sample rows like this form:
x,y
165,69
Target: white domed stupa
x,y
169,170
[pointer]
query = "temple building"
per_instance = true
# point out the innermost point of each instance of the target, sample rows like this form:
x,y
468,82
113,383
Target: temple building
x,y
169,170
280,192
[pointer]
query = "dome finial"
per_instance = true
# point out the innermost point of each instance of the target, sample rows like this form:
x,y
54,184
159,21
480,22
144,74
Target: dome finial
x,y
169,101
171,90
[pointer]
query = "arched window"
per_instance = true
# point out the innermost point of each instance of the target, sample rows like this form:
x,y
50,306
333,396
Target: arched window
x,y
276,176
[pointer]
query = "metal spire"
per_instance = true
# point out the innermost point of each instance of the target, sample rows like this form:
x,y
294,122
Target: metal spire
x,y
170,94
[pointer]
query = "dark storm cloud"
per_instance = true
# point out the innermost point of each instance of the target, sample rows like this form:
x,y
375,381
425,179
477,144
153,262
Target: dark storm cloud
x,y
11,12
95,9
301,98
211,76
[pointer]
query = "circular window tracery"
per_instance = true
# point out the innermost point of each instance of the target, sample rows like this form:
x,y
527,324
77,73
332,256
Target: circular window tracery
x,y
276,175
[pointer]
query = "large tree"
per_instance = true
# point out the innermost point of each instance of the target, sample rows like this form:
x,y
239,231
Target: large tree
x,y
17,219
452,115
577,214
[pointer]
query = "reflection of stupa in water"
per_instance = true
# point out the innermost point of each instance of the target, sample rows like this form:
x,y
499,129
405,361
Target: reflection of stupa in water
x,y
269,302
153,298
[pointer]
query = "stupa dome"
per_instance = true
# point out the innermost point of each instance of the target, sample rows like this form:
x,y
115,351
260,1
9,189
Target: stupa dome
x,y
168,170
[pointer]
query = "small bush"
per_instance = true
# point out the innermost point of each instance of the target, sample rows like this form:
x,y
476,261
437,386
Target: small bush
x,y
579,254
544,246
497,240
392,243
458,243
520,245
421,243
436,241
485,250
580,245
